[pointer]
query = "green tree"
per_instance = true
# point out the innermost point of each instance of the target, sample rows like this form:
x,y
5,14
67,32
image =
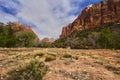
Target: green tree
x,y
25,39
106,39
10,37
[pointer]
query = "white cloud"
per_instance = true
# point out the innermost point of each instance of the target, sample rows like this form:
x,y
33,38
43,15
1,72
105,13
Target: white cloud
x,y
48,16
4,17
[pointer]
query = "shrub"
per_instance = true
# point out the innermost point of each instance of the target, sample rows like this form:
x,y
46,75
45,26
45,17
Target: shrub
x,y
99,62
83,54
118,62
75,57
40,54
67,55
52,54
50,58
33,71
113,69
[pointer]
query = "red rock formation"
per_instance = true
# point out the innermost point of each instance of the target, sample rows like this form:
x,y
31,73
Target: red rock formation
x,y
48,40
51,40
16,26
66,30
94,15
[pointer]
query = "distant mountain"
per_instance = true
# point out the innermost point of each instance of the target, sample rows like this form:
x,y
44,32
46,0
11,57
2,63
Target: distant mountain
x,y
94,15
48,40
98,26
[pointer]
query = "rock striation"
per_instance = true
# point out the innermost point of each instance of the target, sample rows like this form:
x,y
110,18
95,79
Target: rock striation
x,y
94,15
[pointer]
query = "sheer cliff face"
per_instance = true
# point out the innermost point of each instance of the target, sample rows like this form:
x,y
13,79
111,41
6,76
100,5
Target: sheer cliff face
x,y
94,15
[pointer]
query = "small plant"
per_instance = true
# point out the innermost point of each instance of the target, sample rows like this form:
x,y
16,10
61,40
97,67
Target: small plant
x,y
67,55
117,56
113,69
75,57
118,62
94,56
52,54
84,72
50,58
83,54
39,54
33,71
99,62
117,72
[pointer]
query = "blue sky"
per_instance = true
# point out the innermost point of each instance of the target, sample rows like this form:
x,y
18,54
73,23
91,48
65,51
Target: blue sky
x,y
46,17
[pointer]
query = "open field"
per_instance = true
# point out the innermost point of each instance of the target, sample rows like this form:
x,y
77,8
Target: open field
x,y
59,64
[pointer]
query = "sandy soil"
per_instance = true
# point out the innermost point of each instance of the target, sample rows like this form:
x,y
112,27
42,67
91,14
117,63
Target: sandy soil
x,y
91,64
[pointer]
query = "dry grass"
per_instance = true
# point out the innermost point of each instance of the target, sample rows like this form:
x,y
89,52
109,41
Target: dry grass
x,y
63,64
35,70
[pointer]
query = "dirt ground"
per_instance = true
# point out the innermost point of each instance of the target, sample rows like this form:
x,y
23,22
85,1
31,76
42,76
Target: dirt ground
x,y
83,64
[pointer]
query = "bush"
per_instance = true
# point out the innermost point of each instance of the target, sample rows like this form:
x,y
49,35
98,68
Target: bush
x,y
67,55
99,62
50,58
40,54
75,57
113,69
34,71
118,62
106,39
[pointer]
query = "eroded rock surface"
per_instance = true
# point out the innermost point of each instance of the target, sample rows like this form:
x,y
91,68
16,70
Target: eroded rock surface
x,y
94,15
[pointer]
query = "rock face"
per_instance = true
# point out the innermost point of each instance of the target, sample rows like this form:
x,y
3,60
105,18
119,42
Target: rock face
x,y
17,26
94,15
48,40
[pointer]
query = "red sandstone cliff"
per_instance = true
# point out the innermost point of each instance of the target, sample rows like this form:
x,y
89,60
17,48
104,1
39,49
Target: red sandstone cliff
x,y
94,15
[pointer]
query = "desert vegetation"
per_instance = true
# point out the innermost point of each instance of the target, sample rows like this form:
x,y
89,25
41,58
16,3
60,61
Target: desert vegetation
x,y
106,36
58,63
32,71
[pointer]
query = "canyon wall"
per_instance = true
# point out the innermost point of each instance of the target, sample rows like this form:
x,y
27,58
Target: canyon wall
x,y
107,11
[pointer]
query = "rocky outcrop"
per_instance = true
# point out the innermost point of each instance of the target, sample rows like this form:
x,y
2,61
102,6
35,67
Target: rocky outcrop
x,y
107,11
48,40
66,30
17,26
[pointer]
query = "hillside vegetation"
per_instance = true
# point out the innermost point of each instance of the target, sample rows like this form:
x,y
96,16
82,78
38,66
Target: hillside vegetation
x,y
105,36
15,38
